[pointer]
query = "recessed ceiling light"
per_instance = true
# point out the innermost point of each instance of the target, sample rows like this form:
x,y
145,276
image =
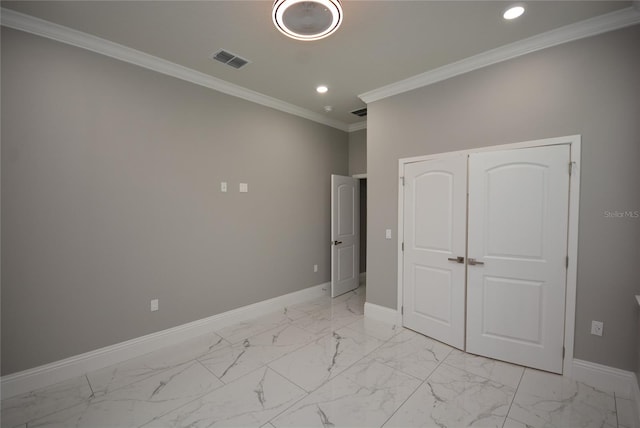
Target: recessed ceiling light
x,y
322,89
307,19
328,109
513,12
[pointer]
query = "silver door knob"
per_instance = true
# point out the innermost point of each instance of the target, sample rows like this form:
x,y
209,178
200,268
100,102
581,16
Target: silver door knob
x,y
458,259
474,262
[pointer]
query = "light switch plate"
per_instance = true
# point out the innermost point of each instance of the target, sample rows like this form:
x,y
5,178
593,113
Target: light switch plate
x,y
223,186
244,187
387,234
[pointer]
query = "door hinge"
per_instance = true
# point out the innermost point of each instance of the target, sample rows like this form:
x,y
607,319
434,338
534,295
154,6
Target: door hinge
x,y
403,246
563,349
401,310
567,262
402,178
571,165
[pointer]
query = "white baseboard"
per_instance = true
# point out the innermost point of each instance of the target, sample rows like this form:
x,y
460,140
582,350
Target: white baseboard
x,y
605,378
382,313
48,374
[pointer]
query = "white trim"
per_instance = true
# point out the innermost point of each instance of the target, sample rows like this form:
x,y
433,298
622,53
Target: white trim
x,y
605,378
572,237
382,313
357,126
359,175
579,30
40,27
48,374
572,253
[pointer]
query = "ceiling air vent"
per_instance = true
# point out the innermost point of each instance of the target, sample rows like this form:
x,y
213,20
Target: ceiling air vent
x,y
361,113
230,59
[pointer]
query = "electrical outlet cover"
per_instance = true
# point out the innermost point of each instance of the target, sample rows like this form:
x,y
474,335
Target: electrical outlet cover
x,y
597,327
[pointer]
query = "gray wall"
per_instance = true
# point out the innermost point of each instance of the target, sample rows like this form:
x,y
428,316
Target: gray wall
x,y
358,152
363,225
589,87
111,197
358,165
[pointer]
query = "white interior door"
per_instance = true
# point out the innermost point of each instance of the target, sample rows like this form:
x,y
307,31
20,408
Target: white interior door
x,y
345,234
434,248
518,216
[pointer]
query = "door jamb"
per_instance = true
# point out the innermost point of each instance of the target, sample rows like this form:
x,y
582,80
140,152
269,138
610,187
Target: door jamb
x,y
574,142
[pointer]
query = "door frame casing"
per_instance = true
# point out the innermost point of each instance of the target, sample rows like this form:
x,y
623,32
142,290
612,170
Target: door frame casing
x,y
574,142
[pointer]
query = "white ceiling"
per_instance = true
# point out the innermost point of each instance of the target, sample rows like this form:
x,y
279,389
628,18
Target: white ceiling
x,y
379,42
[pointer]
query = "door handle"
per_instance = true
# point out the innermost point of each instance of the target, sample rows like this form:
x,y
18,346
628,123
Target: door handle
x,y
474,262
337,242
458,259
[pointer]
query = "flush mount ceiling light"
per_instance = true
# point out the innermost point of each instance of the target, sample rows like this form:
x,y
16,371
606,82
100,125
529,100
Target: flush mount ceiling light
x,y
513,12
307,20
322,89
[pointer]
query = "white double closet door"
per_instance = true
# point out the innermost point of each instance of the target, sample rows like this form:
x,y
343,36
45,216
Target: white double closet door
x,y
485,247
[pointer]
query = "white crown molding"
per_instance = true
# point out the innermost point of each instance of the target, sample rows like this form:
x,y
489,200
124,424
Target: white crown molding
x,y
357,126
40,27
590,27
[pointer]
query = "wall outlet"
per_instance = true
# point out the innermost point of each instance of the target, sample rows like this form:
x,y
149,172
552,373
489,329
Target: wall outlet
x,y
154,305
315,268
597,327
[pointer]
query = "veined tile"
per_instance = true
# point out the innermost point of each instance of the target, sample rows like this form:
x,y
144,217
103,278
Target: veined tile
x,y
455,398
111,378
347,308
140,402
237,333
546,400
626,414
377,329
315,363
327,320
412,353
313,305
250,401
498,371
510,423
236,361
355,298
365,395
24,408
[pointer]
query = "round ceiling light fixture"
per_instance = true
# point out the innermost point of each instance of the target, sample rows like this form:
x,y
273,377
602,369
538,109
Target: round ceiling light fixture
x,y
322,89
513,12
307,20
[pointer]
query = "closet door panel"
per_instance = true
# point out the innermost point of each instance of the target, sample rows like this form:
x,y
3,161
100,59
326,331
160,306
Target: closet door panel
x,y
434,238
518,217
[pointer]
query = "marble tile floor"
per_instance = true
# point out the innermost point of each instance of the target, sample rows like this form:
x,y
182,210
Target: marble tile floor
x,y
319,363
